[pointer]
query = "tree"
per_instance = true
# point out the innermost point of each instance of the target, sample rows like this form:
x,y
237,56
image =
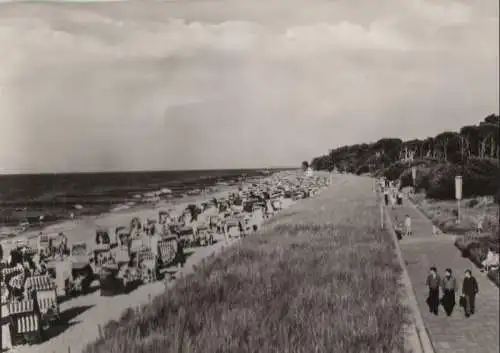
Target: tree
x,y
447,142
305,165
471,134
427,148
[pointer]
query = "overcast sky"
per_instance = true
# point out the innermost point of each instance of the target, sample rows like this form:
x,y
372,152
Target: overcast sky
x,y
228,84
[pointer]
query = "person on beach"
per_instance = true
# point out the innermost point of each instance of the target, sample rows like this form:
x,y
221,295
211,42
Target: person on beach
x,y
407,225
449,287
433,282
241,228
470,289
98,238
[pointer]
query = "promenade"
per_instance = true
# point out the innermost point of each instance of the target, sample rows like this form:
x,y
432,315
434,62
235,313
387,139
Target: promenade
x,y
454,334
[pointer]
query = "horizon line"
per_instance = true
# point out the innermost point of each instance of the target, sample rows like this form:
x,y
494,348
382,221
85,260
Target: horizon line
x,y
21,172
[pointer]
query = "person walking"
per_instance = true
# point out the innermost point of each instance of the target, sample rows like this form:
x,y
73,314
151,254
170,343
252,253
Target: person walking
x,y
407,225
386,196
469,292
449,287
433,282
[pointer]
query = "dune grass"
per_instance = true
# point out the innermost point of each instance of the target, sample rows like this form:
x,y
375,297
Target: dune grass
x,y
321,277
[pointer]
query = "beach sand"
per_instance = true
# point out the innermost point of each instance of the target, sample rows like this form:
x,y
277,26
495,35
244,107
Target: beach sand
x,y
84,314
83,229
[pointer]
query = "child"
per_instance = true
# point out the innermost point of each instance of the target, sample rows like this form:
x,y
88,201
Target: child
x,y
407,225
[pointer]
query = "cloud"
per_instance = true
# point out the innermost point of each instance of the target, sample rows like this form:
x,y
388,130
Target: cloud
x,y
233,84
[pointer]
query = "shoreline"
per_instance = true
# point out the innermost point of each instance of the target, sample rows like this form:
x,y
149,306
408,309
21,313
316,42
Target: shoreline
x,y
77,230
58,206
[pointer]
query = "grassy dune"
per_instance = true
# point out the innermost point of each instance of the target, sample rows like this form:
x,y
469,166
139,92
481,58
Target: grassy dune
x,y
321,277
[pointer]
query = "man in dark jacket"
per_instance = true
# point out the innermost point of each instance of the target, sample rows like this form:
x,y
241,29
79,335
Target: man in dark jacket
x,y
433,282
449,287
469,291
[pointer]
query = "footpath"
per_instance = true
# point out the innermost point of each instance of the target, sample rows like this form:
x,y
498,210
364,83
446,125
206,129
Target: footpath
x,y
454,334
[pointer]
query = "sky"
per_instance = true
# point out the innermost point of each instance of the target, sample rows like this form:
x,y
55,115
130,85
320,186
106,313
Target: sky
x,y
235,84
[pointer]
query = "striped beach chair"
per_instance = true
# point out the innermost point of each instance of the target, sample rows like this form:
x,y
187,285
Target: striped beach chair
x,y
102,254
168,250
21,307
10,272
148,265
30,251
40,283
44,244
28,323
145,255
46,295
25,321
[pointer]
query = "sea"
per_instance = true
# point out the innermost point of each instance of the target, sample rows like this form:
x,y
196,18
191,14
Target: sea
x,y
30,201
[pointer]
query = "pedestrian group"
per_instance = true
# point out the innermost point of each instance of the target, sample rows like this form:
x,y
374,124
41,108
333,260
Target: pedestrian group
x,y
447,286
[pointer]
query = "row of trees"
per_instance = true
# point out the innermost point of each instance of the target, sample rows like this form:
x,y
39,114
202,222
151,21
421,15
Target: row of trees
x,y
480,141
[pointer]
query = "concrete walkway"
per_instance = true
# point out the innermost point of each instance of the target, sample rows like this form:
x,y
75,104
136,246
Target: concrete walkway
x,y
455,334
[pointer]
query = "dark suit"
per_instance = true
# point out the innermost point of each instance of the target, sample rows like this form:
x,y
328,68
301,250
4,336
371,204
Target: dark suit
x,y
433,283
469,291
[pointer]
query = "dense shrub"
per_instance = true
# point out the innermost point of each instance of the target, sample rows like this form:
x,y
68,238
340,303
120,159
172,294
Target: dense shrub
x,y
478,254
423,172
494,276
394,171
406,178
442,181
475,247
363,169
481,177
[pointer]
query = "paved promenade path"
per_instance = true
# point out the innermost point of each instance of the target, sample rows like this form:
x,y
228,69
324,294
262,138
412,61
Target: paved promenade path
x,y
455,334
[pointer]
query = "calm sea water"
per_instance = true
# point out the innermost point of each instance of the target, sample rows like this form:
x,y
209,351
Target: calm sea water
x,y
55,195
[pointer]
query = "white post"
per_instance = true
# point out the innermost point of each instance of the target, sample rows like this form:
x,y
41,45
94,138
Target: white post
x,y
414,177
458,194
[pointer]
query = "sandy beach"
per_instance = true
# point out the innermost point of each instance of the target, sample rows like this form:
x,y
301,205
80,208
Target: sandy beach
x,y
83,229
83,315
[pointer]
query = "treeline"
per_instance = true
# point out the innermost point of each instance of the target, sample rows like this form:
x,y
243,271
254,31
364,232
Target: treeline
x,y
473,152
